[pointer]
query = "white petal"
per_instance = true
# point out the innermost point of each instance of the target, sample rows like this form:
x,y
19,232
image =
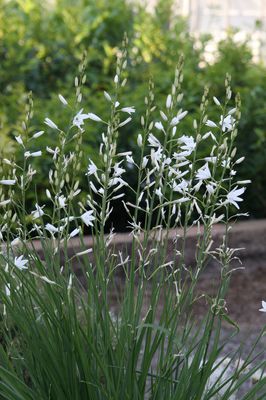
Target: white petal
x,y
94,117
38,134
7,182
50,123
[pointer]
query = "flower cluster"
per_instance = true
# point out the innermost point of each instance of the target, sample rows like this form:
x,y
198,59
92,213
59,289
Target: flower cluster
x,y
178,186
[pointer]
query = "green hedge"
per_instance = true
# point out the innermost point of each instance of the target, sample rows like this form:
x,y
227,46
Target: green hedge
x,y
41,44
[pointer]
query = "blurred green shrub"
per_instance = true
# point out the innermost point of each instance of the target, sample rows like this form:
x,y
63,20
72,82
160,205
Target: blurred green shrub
x,y
41,44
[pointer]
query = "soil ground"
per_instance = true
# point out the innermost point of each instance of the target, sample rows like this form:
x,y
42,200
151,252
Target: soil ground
x,y
247,290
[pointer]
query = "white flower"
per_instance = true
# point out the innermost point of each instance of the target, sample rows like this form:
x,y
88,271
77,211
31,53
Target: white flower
x,y
159,193
216,101
55,151
114,181
144,162
62,201
92,186
124,122
246,182
38,134
263,309
117,170
124,153
207,134
4,202
128,110
167,161
164,117
153,141
168,101
188,143
8,182
232,111
51,228
139,140
49,150
6,161
92,169
174,121
215,220
178,174
203,172
78,120
227,123
210,188
50,123
81,253
118,196
75,232
28,154
239,160
211,124
183,163
88,217
181,155
38,212
181,187
36,153
233,196
68,219
7,289
74,193
63,100
130,161
178,118
182,115
226,163
107,96
21,263
159,126
182,200
211,159
94,117
19,140
156,156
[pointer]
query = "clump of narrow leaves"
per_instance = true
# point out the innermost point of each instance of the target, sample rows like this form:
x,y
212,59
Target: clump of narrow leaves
x,y
69,328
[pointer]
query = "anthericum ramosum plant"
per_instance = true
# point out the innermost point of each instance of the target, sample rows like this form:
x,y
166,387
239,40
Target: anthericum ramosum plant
x,y
69,328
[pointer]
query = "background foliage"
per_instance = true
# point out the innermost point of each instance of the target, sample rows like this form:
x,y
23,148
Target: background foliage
x,y
41,44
